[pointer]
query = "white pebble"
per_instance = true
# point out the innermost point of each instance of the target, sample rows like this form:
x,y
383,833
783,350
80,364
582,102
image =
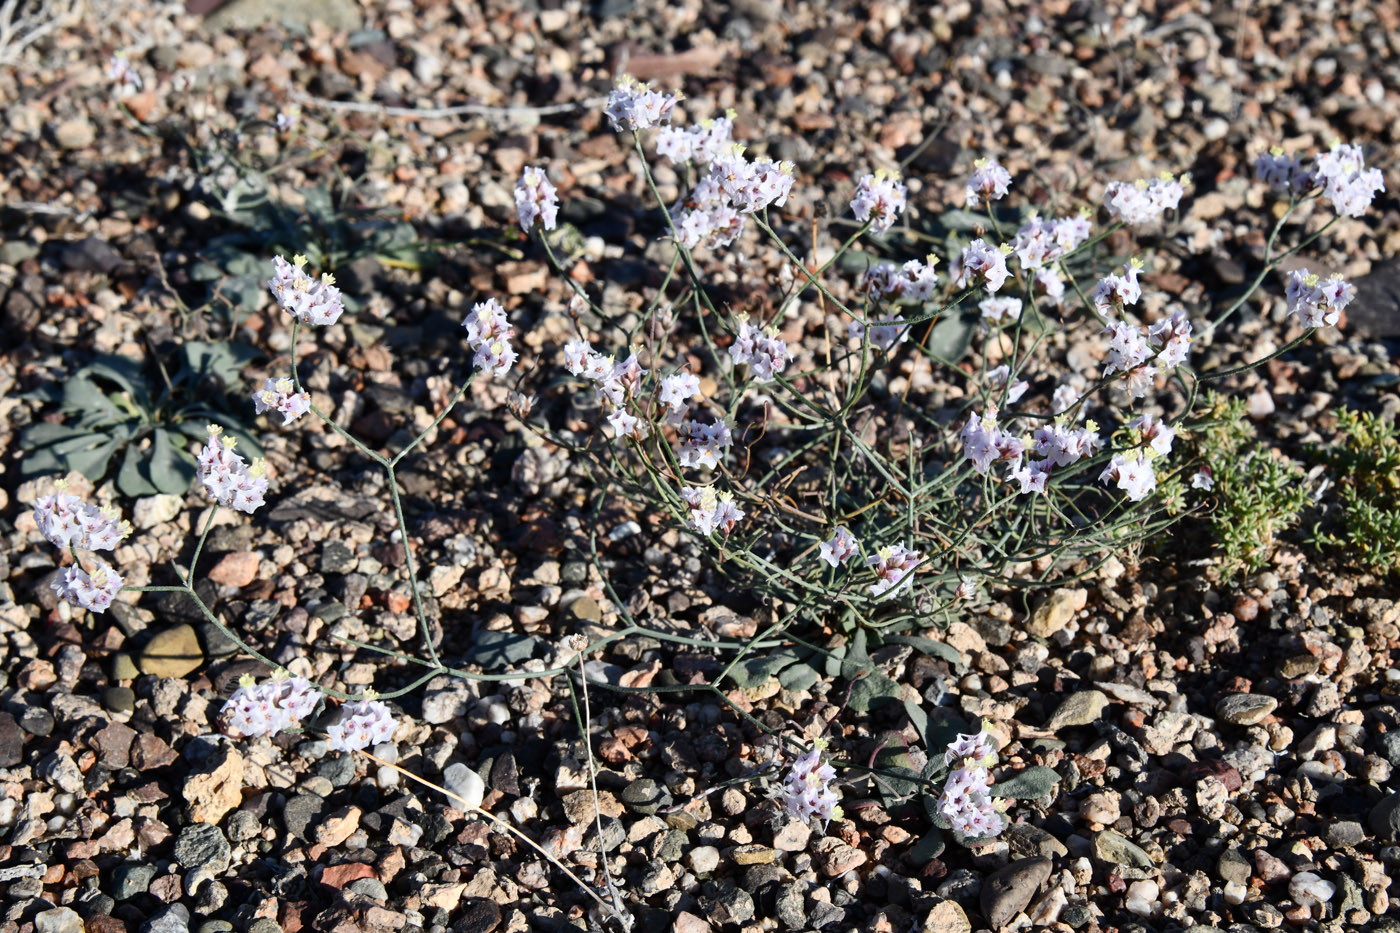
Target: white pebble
x,y
1235,892
1142,898
1311,889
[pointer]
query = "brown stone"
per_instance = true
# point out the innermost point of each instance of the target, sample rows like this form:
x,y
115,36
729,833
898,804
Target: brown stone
x,y
113,744
218,789
237,569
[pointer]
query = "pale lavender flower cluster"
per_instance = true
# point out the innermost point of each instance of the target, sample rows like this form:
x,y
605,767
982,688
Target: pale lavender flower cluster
x,y
536,200
1132,473
703,445
1156,433
1172,336
984,443
119,70
1000,376
989,182
489,333
1282,172
762,351
915,281
311,301
751,186
966,802
1056,445
713,212
711,511
700,144
884,333
1145,200
1042,241
894,566
67,521
1113,293
269,707
1000,310
981,264
808,792
281,396
879,199
362,723
93,590
227,478
633,105
1128,352
1317,303
705,217
841,547
1345,179
676,392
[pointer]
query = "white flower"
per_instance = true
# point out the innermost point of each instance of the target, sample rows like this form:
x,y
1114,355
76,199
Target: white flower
x,y
676,391
894,565
749,187
536,200
93,591
967,587
711,511
635,106
1202,479
1317,303
628,425
1283,173
967,805
1134,476
840,548
879,198
1115,292
280,395
1127,347
807,791
765,354
65,520
269,707
1172,336
228,480
984,443
1157,433
702,445
981,263
1144,200
489,333
119,70
977,749
311,301
362,723
989,182
1345,179
287,119
1001,310
997,378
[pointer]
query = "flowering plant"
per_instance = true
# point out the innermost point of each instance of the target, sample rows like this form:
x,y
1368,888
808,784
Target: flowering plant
x,y
813,442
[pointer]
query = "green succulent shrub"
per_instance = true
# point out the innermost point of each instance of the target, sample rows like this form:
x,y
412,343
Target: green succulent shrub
x,y
1365,464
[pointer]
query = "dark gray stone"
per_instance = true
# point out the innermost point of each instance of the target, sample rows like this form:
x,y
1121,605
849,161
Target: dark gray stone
x,y
203,845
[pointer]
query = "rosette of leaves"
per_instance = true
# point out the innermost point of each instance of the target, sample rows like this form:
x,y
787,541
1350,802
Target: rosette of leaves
x,y
138,420
329,227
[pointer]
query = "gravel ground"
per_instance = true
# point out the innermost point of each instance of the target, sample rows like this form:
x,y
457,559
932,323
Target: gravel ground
x,y
1225,753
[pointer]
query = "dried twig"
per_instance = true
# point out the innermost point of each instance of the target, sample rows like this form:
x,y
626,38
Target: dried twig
x,y
503,113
